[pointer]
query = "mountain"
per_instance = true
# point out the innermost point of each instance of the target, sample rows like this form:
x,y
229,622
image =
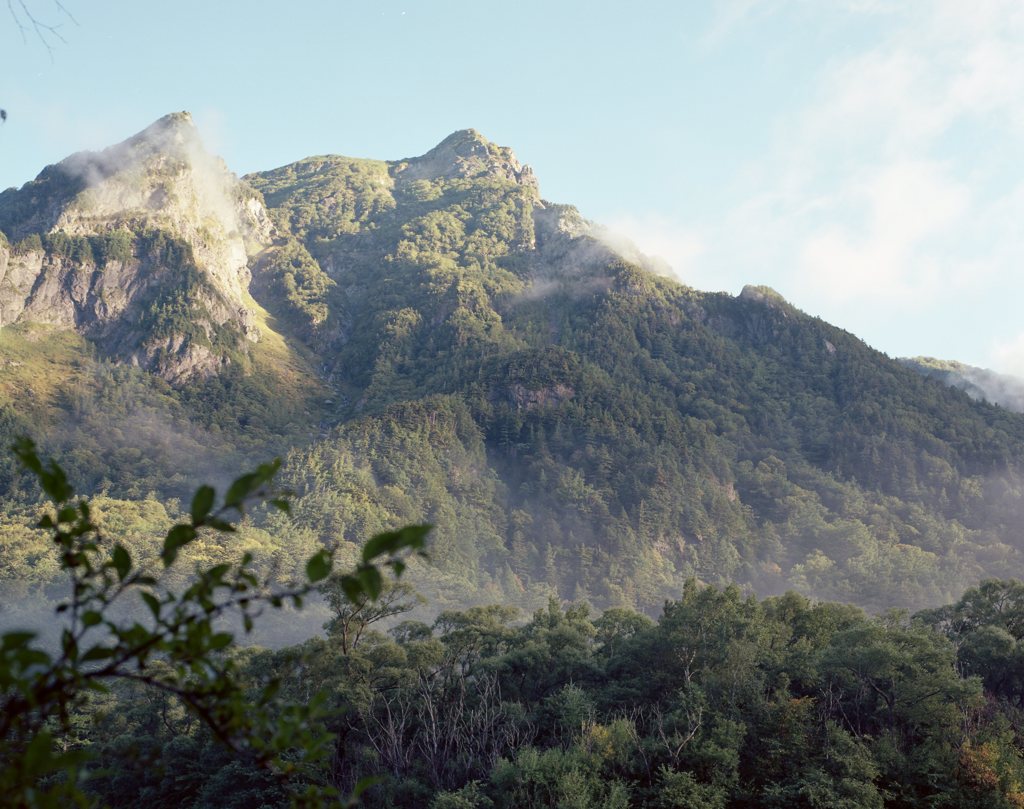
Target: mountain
x,y
143,247
978,383
430,339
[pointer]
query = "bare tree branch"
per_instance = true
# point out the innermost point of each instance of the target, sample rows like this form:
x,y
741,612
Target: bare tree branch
x,y
48,33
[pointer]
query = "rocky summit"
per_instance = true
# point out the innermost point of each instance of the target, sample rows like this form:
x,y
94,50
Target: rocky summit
x,y
143,247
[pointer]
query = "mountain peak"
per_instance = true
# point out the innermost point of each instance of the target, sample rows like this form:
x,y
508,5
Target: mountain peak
x,y
464,154
183,118
763,294
465,139
173,128
174,135
154,156
160,186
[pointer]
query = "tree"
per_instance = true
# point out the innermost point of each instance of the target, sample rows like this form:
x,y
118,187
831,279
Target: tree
x,y
177,648
354,614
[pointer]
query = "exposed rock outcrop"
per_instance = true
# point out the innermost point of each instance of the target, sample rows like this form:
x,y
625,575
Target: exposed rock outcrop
x,y
467,153
143,247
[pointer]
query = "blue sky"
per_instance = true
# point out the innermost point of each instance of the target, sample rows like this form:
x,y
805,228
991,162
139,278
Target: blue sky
x,y
863,157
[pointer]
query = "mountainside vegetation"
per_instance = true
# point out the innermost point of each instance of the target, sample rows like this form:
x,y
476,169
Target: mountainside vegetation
x,y
430,340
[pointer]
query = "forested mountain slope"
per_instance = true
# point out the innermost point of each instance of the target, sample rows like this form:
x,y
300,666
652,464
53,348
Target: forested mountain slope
x,y
429,339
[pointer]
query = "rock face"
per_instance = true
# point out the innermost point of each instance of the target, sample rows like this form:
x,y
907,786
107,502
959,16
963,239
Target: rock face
x,y
467,154
148,248
525,398
143,247
763,294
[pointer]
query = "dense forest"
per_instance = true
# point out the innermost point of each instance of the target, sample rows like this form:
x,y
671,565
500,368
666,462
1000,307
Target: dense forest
x,y
723,701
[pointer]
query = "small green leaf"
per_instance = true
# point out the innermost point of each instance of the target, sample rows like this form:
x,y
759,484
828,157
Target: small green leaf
x,y
121,560
250,483
411,537
353,589
55,483
239,489
179,536
372,581
152,602
25,449
318,567
220,525
91,618
202,502
17,640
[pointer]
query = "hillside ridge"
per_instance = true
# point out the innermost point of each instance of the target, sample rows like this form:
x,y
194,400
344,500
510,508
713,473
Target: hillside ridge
x,y
428,339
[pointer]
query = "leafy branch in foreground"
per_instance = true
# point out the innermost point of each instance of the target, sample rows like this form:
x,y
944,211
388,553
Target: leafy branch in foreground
x,y
177,648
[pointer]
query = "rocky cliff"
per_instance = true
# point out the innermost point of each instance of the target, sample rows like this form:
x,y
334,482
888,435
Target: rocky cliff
x,y
143,247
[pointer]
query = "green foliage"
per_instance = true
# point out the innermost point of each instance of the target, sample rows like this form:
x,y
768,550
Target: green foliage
x,y
114,246
31,243
97,250
323,197
178,649
294,281
680,790
725,701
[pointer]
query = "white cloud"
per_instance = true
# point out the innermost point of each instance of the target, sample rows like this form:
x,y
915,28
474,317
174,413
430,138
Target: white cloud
x,y
948,61
891,197
658,237
902,205
873,189
1008,356
728,15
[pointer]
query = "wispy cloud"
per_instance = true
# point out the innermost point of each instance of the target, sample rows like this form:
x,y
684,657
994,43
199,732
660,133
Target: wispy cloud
x,y
673,247
1008,355
899,179
729,15
901,206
